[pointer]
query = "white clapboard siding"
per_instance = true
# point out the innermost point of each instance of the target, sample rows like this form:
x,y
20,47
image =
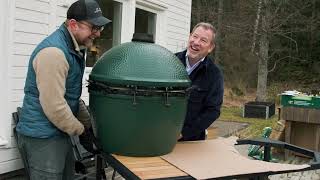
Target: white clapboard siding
x,y
17,84
32,16
178,24
31,27
19,72
9,155
39,6
27,38
8,166
20,60
23,49
61,11
174,28
36,19
16,96
13,143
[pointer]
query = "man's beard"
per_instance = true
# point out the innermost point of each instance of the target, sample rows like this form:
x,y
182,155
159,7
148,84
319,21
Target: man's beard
x,y
88,43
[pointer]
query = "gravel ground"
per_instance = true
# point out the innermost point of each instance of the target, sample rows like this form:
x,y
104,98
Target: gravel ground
x,y
302,175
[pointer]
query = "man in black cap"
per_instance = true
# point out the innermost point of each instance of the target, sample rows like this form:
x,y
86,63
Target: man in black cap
x,y
52,110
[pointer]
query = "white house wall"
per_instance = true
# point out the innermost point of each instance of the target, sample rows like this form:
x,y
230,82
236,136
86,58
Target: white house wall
x,y
24,23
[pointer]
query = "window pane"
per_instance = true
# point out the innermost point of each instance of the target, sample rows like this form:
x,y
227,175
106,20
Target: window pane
x,y
110,36
145,22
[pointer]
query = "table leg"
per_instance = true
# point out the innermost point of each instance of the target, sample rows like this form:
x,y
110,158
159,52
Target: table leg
x,y
99,168
287,138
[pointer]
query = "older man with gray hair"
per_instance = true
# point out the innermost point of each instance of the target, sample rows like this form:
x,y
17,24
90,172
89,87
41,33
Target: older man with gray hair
x,y
206,96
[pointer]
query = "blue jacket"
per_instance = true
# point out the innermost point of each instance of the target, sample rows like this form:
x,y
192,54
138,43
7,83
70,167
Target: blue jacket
x,y
33,122
205,98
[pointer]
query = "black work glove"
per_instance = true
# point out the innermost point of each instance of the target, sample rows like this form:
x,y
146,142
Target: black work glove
x,y
89,142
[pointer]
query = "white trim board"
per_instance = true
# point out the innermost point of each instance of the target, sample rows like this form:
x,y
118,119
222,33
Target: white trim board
x,y
6,29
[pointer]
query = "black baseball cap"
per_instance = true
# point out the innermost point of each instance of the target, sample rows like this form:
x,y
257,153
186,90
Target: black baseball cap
x,y
87,10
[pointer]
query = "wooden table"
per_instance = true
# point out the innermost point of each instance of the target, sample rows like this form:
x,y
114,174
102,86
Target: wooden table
x,y
135,168
145,167
140,167
150,167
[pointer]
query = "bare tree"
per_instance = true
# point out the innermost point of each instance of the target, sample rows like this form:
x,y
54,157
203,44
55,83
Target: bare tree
x,y
256,26
256,37
263,54
219,30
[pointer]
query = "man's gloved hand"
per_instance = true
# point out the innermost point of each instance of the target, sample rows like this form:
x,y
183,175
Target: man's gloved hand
x,y
88,141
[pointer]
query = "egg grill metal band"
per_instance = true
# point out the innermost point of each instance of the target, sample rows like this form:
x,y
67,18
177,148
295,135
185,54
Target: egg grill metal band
x,y
135,91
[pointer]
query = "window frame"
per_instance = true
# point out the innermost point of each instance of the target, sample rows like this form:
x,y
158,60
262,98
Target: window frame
x,y
160,12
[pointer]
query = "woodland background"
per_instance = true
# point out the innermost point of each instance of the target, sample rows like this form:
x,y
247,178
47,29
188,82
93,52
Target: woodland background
x,y
265,44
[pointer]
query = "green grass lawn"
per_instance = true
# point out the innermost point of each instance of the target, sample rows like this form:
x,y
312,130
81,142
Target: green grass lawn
x,y
255,125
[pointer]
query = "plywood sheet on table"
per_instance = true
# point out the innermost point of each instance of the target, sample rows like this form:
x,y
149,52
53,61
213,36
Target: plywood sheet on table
x,y
219,158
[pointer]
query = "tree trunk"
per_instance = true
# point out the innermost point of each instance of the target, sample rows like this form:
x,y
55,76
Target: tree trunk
x,y
198,10
256,26
312,26
218,35
263,56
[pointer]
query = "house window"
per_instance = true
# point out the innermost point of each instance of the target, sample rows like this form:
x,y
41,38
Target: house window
x,y
111,34
145,22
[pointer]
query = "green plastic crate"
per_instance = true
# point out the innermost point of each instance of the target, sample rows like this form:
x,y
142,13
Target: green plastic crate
x,y
301,101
